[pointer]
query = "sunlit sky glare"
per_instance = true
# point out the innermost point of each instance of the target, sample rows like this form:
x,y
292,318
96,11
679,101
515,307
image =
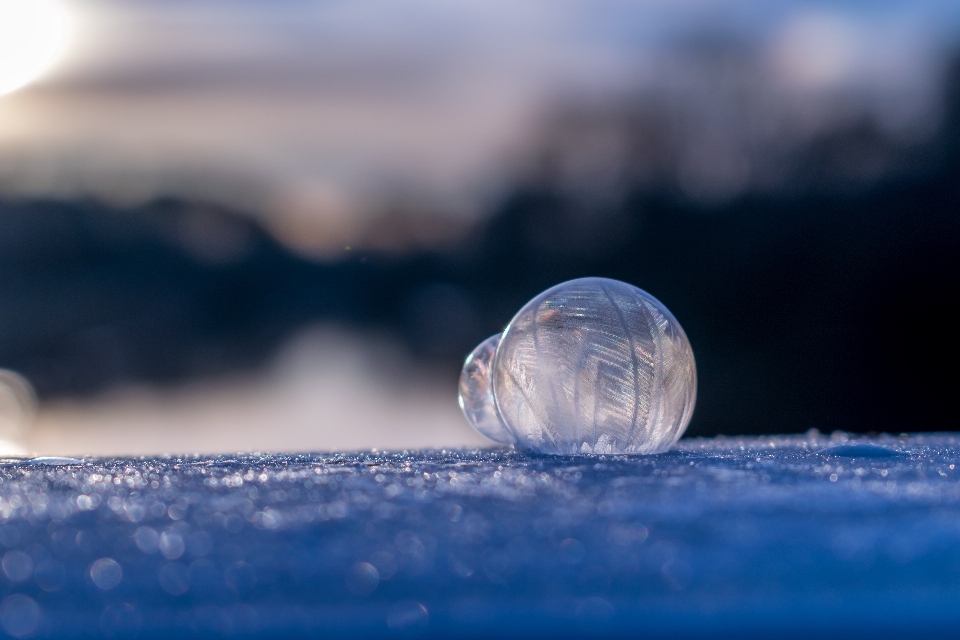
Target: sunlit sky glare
x,y
313,113
33,35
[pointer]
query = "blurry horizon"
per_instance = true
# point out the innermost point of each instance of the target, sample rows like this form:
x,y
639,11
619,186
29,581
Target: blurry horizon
x,y
325,388
325,119
216,217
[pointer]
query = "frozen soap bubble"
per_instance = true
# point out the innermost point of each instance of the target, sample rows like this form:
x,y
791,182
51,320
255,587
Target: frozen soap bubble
x,y
476,393
593,366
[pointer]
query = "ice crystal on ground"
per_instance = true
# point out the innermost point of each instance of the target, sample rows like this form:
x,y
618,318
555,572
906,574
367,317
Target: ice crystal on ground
x,y
786,535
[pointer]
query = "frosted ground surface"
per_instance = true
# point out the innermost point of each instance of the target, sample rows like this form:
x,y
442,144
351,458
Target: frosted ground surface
x,y
792,535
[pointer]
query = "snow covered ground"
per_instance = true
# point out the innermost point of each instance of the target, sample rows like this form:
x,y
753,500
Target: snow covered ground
x,y
780,535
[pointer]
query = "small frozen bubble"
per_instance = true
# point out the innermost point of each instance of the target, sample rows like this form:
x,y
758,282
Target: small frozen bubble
x,y
588,366
476,393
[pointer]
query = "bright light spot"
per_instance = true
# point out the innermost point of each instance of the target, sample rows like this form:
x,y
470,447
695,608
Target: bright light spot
x,y
32,36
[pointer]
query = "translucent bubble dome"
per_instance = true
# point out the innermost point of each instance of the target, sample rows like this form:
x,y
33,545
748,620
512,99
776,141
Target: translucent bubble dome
x,y
594,366
476,393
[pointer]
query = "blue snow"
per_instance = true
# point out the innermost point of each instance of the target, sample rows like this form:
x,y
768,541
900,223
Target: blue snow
x,y
787,536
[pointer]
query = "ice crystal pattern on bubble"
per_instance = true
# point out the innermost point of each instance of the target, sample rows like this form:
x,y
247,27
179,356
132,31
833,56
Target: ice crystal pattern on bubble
x,y
594,366
476,393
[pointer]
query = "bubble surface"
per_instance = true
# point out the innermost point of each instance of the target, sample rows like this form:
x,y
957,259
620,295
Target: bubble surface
x,y
476,393
594,366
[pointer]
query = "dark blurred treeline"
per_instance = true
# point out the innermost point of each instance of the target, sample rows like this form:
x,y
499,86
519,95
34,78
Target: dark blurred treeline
x,y
820,306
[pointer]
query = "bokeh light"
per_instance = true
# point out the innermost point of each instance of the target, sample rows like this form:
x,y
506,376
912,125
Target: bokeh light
x,y
33,34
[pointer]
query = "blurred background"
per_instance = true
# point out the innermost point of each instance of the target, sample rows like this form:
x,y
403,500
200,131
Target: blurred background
x,y
282,225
